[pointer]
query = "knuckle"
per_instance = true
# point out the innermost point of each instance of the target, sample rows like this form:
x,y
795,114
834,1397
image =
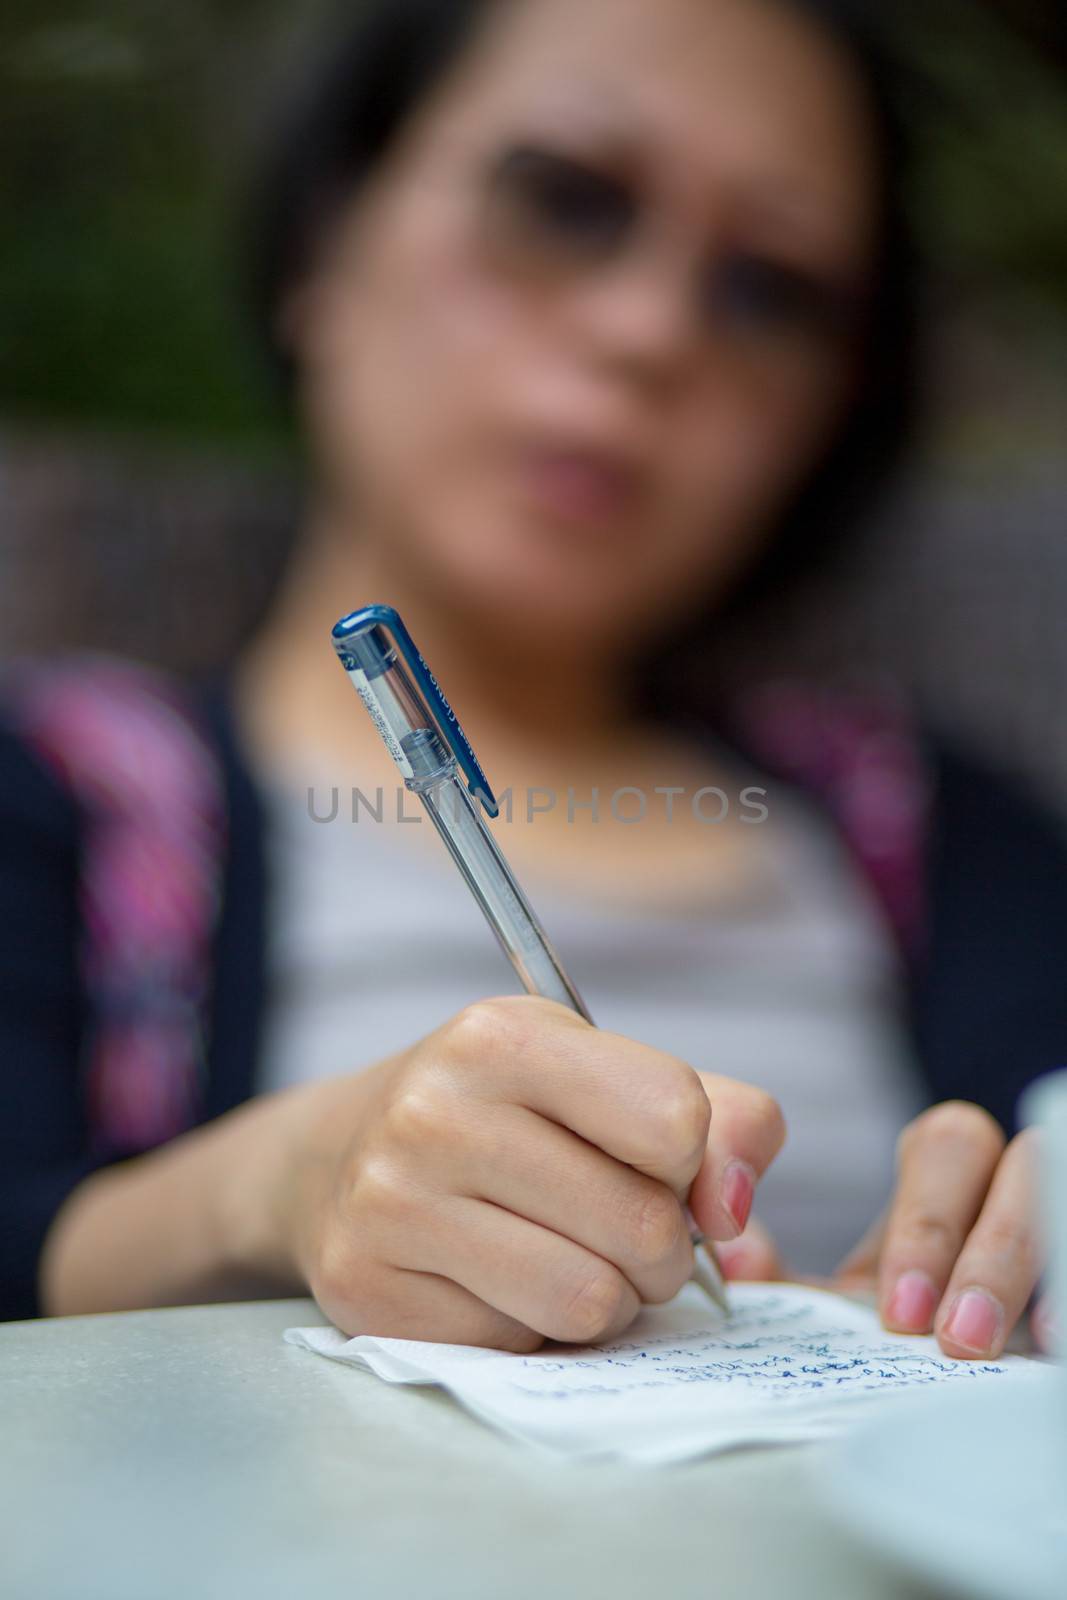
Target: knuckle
x,y
929,1233
336,1276
413,1118
669,1287
593,1306
1010,1236
380,1189
1009,1241
683,1114
485,1029
655,1227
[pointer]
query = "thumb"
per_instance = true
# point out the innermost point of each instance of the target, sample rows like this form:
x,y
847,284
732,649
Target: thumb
x,y
752,1257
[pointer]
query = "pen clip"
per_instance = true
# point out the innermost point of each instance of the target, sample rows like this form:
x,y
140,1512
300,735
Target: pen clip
x,y
448,724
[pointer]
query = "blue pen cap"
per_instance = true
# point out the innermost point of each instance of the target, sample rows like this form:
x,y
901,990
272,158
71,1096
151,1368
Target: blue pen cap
x,y
405,701
368,651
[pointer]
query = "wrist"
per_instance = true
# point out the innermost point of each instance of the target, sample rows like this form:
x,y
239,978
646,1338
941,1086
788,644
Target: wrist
x,y
249,1213
278,1171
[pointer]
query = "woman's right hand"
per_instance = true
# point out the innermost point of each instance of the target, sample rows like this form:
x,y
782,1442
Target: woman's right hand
x,y
516,1175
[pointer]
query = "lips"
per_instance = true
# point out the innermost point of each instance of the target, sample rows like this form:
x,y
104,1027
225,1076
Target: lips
x,y
581,483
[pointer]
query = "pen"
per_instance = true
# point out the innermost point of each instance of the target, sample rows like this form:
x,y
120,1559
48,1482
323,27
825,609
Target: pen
x,y
425,739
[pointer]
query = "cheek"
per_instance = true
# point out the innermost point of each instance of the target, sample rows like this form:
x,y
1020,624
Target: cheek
x,y
745,445
411,356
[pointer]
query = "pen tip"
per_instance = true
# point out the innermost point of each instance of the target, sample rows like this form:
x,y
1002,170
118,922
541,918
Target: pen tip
x,y
708,1274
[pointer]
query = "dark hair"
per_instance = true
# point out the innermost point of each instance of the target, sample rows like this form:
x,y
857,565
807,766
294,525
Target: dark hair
x,y
348,108
342,111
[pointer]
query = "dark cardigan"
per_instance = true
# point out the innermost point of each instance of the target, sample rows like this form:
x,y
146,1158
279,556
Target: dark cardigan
x,y
987,996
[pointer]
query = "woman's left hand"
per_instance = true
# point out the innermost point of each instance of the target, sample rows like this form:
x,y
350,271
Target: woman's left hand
x,y
956,1253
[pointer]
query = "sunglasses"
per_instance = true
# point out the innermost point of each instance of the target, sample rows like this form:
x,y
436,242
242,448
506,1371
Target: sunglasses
x,y
558,216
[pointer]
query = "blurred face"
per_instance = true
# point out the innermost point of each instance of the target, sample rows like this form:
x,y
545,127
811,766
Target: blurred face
x,y
572,348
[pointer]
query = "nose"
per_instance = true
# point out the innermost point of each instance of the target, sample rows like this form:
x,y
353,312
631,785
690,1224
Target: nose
x,y
637,315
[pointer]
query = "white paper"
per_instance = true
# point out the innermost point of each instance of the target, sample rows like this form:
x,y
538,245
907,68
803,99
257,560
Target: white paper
x,y
790,1363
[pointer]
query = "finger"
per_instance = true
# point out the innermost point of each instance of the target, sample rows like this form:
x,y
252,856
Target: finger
x,y
746,1133
946,1160
424,1305
998,1266
539,1170
532,1275
640,1105
1043,1326
752,1257
861,1263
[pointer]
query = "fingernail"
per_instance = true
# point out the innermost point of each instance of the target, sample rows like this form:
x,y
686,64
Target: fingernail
x,y
974,1321
738,1187
913,1302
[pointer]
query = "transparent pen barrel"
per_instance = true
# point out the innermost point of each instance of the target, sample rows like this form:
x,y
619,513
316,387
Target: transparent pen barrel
x,y
474,851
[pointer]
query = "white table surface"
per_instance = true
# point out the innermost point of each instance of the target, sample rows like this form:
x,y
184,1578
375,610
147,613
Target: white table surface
x,y
190,1454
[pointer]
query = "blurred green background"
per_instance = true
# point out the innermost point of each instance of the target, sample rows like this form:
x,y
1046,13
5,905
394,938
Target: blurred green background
x,y
150,489
126,129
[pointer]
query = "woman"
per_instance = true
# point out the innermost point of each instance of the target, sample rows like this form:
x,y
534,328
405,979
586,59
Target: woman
x,y
595,316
